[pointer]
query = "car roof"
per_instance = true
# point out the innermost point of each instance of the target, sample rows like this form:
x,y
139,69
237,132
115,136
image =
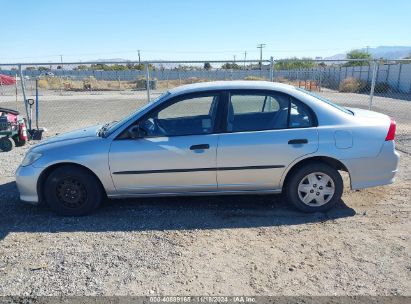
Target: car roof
x,y
230,85
326,113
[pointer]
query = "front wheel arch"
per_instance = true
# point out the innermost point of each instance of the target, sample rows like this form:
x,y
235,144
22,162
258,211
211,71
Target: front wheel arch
x,y
46,172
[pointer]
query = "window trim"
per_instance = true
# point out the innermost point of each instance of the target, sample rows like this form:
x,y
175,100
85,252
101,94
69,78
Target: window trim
x,y
291,99
216,127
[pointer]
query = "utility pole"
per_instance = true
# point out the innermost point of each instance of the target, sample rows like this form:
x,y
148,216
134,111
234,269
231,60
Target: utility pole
x,y
261,46
245,58
234,58
368,49
61,83
139,61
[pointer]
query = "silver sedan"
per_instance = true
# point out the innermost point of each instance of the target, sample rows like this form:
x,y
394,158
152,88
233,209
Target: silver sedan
x,y
238,137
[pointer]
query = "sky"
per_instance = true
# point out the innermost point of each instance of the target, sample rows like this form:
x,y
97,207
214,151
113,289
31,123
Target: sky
x,y
81,30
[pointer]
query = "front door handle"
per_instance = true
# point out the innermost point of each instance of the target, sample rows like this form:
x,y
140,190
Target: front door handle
x,y
200,147
298,141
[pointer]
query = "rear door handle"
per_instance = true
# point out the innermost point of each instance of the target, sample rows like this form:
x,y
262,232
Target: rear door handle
x,y
298,141
200,147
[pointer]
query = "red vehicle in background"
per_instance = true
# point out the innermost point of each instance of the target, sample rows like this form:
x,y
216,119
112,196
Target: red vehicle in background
x,y
13,130
7,80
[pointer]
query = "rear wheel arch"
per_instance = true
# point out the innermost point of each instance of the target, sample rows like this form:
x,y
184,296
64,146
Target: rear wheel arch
x,y
46,172
332,162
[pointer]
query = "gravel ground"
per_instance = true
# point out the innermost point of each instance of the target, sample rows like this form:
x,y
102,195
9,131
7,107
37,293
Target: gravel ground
x,y
254,245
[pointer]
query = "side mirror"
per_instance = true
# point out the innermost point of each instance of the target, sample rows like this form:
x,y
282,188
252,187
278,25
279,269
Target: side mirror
x,y
136,132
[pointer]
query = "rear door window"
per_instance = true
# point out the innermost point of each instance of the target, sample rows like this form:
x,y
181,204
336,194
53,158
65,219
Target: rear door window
x,y
266,111
257,112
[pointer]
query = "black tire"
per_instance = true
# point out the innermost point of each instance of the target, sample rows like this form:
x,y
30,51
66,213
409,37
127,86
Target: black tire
x,y
6,144
295,196
18,142
72,191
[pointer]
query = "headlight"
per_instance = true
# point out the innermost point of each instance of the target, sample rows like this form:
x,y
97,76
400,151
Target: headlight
x,y
30,158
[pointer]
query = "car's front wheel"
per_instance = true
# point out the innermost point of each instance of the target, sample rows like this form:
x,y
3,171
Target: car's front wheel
x,y
314,187
72,191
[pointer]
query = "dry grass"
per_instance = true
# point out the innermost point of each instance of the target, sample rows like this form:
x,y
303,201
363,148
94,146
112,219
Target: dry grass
x,y
169,84
90,83
254,78
352,85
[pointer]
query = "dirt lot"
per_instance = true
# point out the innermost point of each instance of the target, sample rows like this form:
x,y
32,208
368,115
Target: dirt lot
x,y
208,245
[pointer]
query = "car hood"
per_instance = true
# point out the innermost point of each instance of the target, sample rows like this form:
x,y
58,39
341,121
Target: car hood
x,y
76,134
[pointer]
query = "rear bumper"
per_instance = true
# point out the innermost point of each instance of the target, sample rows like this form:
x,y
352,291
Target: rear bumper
x,y
374,171
26,180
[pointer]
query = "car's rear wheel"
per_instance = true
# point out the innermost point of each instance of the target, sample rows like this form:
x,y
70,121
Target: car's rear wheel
x,y
314,187
72,191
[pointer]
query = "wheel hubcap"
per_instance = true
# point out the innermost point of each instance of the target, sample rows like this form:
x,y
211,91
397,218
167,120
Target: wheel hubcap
x,y
71,193
316,189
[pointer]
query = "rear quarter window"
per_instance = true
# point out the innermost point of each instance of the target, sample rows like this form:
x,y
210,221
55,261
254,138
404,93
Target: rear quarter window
x,y
300,115
325,100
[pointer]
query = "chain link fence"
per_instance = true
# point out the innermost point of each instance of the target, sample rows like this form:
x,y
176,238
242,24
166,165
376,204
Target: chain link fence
x,y
74,95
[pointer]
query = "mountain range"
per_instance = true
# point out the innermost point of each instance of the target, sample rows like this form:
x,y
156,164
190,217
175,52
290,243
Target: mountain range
x,y
386,52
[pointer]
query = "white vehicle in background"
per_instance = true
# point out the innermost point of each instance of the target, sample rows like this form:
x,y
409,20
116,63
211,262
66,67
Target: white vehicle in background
x,y
233,137
46,74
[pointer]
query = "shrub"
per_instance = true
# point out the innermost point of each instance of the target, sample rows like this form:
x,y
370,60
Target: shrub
x,y
51,83
294,63
43,84
230,66
352,85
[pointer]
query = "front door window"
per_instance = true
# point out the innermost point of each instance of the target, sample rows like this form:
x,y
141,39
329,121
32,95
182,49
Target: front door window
x,y
190,116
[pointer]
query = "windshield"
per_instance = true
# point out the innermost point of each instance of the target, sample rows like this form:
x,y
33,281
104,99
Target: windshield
x,y
109,128
326,101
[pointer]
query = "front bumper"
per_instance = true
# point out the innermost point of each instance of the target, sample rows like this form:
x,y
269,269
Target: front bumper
x,y
374,171
26,180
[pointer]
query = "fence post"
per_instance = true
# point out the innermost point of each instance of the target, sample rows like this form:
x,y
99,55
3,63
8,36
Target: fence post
x,y
373,80
60,79
148,82
271,69
399,78
15,87
320,78
360,72
388,73
23,90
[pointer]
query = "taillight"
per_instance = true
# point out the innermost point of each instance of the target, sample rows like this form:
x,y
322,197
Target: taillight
x,y
391,130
